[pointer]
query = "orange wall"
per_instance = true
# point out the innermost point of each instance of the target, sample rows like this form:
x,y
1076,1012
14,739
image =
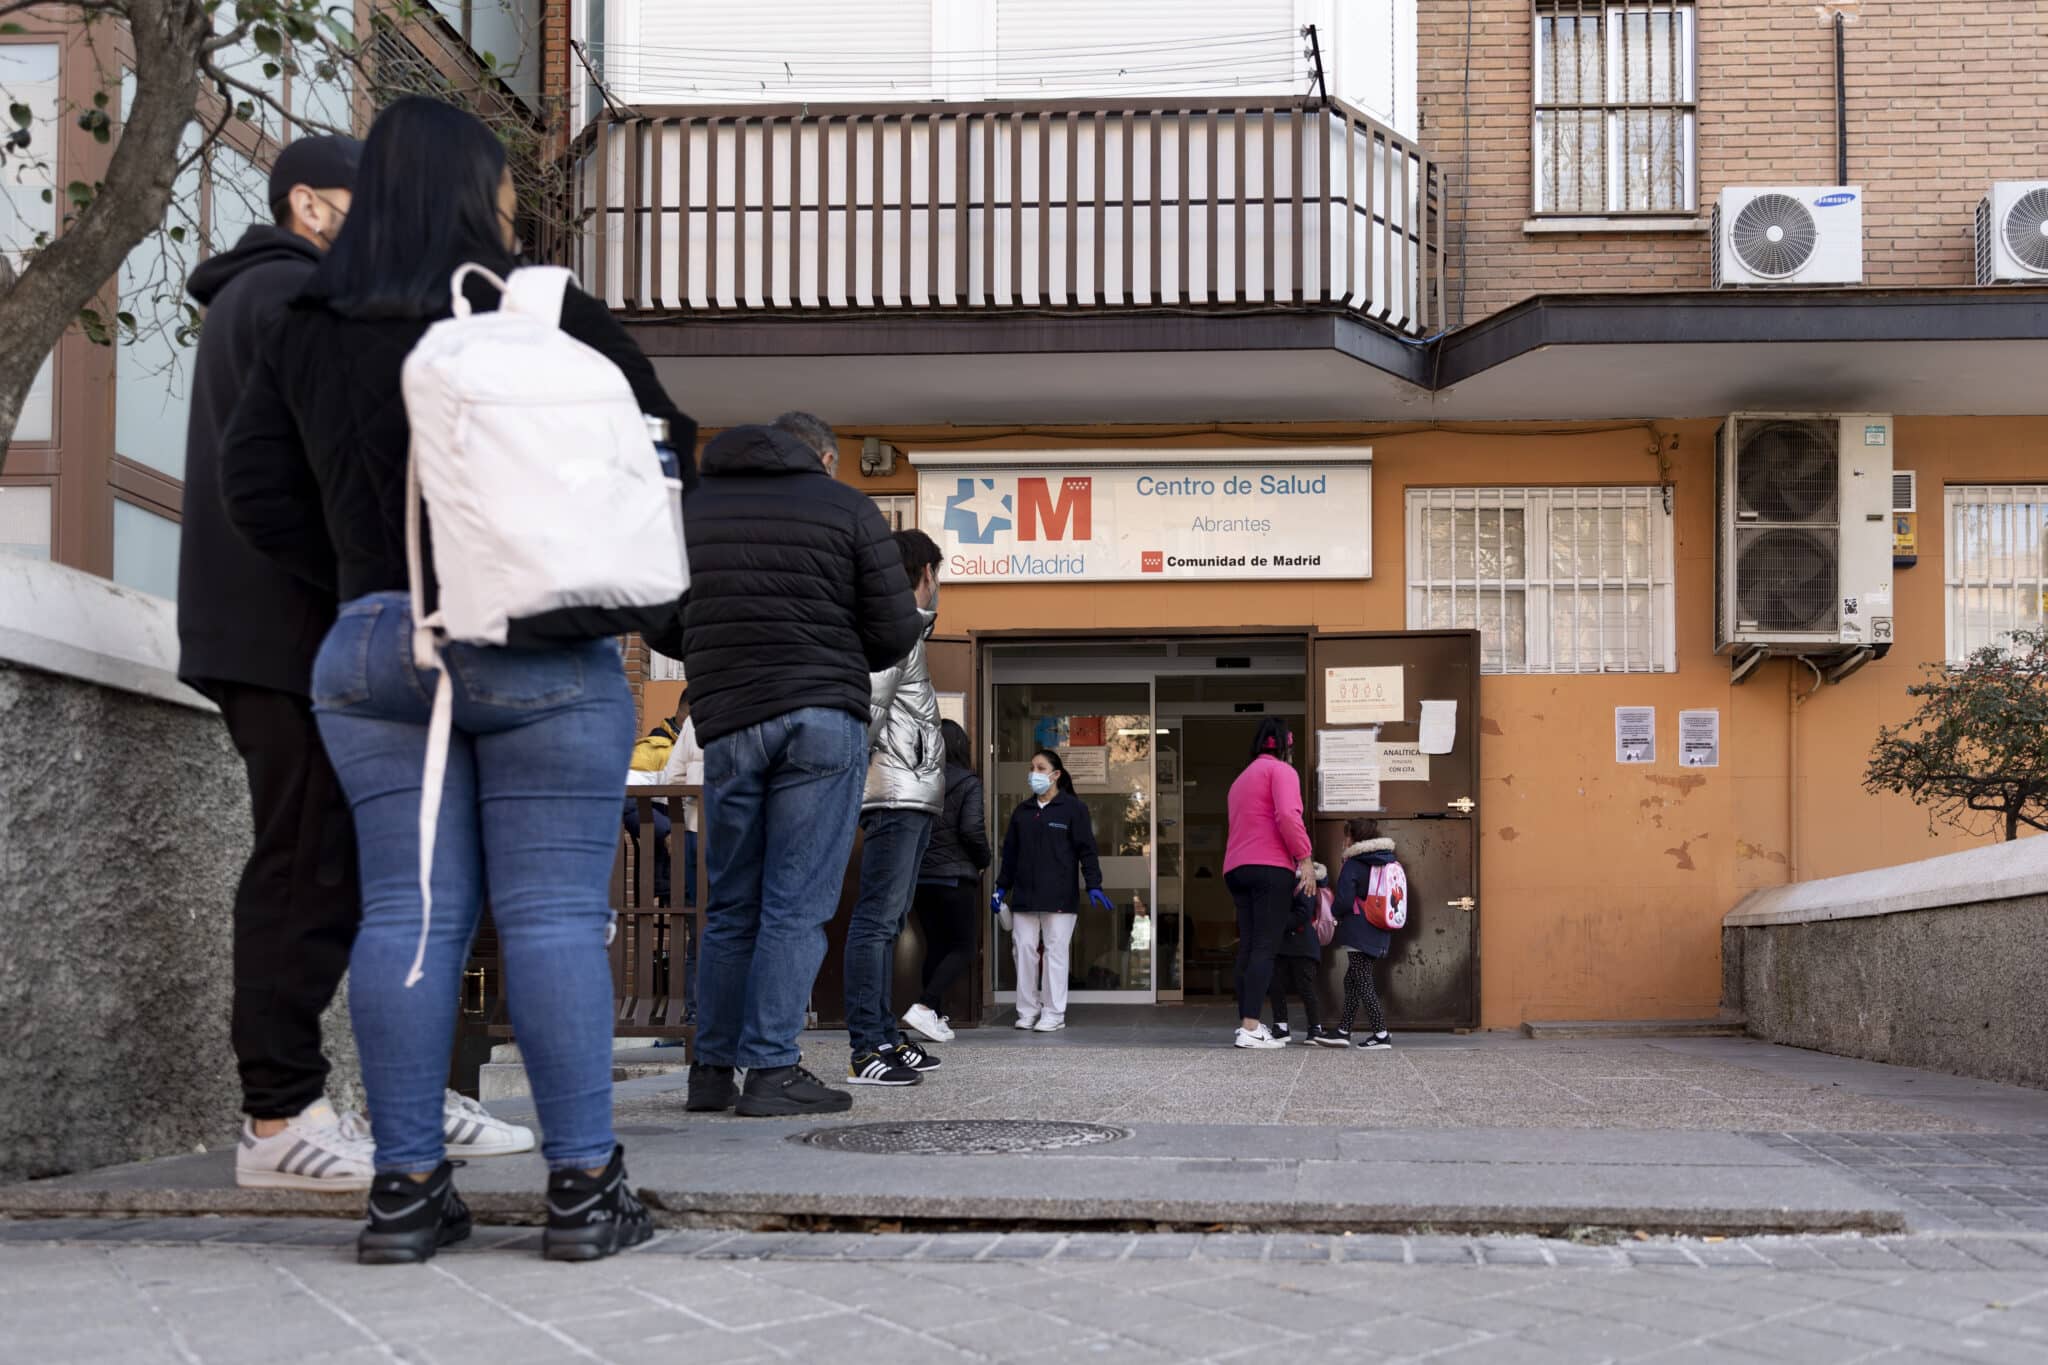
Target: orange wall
x,y
1602,888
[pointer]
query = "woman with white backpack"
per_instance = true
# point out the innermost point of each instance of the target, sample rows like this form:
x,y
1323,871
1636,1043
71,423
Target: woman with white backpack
x,y
528,738
1372,893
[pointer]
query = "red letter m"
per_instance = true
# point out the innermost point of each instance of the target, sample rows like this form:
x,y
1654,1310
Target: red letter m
x,y
1071,517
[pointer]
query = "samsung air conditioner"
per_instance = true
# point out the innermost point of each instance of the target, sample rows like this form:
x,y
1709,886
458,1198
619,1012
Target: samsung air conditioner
x,y
1788,236
2012,233
1804,518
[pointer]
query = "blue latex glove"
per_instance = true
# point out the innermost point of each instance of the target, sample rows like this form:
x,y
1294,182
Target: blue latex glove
x,y
995,903
1100,899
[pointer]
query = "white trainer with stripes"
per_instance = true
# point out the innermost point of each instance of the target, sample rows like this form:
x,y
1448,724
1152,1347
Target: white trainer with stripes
x,y
319,1150
468,1130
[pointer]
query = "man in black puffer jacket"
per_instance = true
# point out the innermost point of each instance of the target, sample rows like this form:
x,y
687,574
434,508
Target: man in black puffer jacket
x,y
797,594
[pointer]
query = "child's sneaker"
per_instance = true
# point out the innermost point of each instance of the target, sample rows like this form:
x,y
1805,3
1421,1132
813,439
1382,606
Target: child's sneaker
x,y
1378,1040
411,1219
318,1150
1260,1037
1282,1032
915,1057
1326,1036
592,1216
880,1068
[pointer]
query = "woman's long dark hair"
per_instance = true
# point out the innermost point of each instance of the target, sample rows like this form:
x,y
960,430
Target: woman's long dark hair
x,y
1059,769
426,201
959,749
1273,738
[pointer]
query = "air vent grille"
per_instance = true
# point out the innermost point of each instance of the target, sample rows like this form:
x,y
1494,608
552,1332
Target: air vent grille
x,y
1774,235
2026,230
1787,471
1785,581
1905,491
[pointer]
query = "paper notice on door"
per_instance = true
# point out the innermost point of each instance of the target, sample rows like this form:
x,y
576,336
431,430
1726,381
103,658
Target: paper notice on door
x,y
1347,748
1403,763
1361,696
1347,789
1635,734
953,707
1088,765
1699,739
1439,726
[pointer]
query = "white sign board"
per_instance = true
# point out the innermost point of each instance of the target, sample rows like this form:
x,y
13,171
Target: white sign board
x,y
1088,765
1361,696
1699,739
1309,517
1635,734
1345,789
1439,733
1403,763
953,707
1346,748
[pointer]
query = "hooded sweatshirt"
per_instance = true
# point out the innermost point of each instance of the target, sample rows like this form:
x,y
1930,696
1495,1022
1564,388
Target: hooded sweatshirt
x,y
241,618
797,591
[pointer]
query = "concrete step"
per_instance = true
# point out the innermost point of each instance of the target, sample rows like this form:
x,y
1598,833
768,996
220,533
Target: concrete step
x,y
1633,1028
504,1076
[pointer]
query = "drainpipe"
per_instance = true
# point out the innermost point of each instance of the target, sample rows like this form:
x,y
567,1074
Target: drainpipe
x,y
1841,101
1797,700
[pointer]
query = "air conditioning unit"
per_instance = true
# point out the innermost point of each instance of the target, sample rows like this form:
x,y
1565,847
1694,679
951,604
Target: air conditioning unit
x,y
1804,510
1794,235
2012,233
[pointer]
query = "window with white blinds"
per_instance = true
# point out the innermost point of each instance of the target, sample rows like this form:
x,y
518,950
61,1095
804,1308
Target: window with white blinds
x,y
1994,562
1556,580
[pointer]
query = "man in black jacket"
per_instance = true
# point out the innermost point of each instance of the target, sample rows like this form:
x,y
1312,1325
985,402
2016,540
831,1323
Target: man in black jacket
x,y
797,594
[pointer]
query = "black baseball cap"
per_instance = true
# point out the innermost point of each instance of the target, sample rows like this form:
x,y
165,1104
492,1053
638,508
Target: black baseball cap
x,y
320,163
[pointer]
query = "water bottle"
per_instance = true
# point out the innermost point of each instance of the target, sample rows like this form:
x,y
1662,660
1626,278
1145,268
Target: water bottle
x,y
657,431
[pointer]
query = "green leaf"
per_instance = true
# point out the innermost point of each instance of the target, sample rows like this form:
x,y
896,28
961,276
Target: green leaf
x,y
99,99
177,234
9,30
271,70
79,193
268,40
127,320
49,198
94,327
21,114
246,111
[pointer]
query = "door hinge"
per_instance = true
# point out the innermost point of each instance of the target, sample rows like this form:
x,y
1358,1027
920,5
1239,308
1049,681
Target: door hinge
x,y
1464,805
1462,903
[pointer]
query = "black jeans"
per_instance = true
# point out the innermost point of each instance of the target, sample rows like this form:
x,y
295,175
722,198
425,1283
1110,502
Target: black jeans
x,y
1265,908
945,915
298,904
1297,976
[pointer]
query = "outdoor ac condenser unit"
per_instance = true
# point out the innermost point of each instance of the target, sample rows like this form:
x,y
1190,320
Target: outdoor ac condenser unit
x,y
1793,235
1804,512
2012,233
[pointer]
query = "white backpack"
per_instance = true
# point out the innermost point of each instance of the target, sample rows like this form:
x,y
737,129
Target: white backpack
x,y
553,522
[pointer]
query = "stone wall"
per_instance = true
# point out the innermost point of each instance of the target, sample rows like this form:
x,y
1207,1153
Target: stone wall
x,y
1937,964
124,822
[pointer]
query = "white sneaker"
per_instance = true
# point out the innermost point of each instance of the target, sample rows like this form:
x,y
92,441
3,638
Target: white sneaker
x,y
468,1129
927,1023
318,1150
1026,1021
1050,1023
1260,1037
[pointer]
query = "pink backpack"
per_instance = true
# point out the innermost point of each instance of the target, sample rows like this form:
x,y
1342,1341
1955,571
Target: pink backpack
x,y
1326,919
1385,902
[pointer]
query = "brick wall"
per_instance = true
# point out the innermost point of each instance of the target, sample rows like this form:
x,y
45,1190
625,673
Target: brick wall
x,y
1944,96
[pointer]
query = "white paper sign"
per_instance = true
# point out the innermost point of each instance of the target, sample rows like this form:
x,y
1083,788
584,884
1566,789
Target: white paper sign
x,y
1403,763
1346,748
1699,739
1635,734
1361,696
1088,765
1439,726
1308,517
953,707
1348,789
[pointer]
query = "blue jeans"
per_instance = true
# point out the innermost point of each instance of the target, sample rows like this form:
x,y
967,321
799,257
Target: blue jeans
x,y
530,814
892,849
780,801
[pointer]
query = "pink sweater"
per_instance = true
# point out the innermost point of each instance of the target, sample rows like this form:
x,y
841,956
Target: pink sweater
x,y
1266,828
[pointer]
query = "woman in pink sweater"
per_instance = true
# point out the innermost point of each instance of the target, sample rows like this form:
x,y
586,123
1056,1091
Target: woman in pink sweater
x,y
1267,861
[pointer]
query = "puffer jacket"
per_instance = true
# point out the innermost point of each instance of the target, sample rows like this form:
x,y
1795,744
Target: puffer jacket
x,y
907,767
959,850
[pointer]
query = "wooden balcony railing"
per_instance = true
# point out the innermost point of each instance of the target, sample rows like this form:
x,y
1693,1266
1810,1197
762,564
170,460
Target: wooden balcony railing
x,y
1003,207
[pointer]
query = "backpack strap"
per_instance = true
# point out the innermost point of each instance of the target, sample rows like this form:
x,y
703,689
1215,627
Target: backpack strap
x,y
536,291
426,654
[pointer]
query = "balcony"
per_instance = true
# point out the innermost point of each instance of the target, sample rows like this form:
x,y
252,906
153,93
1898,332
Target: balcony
x,y
1020,208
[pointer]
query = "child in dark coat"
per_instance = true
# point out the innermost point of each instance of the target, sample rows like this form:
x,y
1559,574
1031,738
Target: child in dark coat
x,y
1359,936
1296,963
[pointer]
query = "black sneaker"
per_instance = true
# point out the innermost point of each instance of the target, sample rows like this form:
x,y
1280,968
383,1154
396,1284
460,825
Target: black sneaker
x,y
880,1068
411,1219
1327,1036
789,1091
592,1216
1279,1030
1378,1040
712,1089
915,1057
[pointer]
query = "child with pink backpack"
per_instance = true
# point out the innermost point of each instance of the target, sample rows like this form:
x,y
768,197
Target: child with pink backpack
x,y
1371,901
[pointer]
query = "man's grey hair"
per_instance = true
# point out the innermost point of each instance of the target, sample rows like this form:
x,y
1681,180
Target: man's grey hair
x,y
814,432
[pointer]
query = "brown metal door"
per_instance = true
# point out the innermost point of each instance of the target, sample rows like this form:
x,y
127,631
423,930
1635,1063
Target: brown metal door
x,y
1431,976
951,662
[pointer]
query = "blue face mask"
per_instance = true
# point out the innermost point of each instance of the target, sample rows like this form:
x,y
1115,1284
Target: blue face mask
x,y
1041,783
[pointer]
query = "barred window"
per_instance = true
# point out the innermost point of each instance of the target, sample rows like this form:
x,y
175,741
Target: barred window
x,y
1994,562
1556,580
1615,108
898,509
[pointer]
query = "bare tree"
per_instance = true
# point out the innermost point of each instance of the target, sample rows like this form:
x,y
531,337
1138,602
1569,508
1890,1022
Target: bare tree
x,y
187,62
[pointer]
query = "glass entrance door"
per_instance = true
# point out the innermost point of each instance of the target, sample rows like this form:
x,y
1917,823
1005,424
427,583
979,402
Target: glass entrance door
x,y
1103,732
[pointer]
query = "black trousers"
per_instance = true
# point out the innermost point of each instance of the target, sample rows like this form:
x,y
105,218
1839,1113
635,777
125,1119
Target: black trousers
x,y
1297,976
1265,908
298,904
945,915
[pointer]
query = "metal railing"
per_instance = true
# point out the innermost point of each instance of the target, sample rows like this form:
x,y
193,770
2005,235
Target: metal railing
x,y
1011,206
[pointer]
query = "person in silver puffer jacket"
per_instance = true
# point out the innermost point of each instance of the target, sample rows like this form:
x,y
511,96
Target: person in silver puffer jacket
x,y
906,790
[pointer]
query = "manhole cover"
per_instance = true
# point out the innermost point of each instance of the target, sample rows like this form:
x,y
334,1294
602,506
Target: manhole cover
x,y
962,1137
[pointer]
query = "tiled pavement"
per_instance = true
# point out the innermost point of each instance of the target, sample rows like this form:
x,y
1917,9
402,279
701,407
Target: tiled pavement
x,y
1991,1182
209,1290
